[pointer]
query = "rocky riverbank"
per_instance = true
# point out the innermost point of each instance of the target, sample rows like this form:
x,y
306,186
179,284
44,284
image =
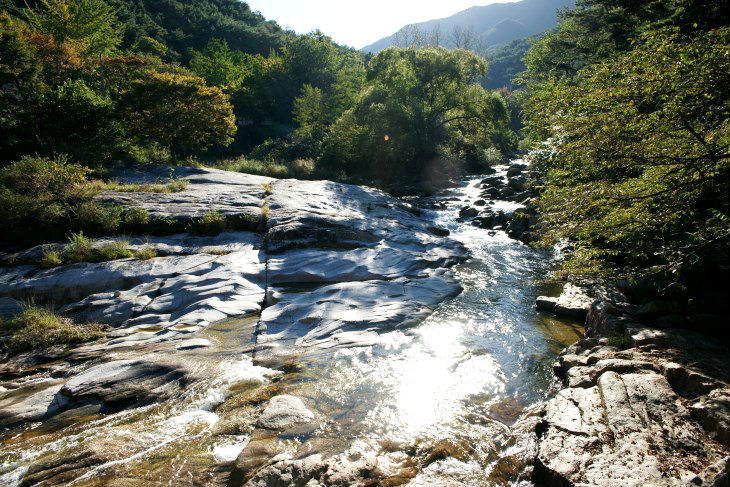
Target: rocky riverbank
x,y
641,404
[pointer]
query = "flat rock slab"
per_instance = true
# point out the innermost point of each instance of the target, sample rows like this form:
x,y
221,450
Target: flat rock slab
x,y
229,193
318,319
121,383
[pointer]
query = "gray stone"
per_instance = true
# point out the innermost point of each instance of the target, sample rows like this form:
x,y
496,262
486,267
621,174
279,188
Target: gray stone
x,y
282,412
122,383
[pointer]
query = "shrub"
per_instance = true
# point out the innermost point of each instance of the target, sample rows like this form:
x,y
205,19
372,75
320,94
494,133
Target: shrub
x,y
36,328
43,177
79,248
51,259
212,223
99,218
136,218
145,253
118,249
247,222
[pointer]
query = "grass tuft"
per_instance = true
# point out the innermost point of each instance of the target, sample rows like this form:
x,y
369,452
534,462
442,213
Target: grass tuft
x,y
37,328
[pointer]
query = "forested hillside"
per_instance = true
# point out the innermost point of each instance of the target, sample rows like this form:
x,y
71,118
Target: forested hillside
x,y
633,99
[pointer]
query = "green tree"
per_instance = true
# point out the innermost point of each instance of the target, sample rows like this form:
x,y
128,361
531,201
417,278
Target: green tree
x,y
219,65
178,111
638,173
90,23
414,101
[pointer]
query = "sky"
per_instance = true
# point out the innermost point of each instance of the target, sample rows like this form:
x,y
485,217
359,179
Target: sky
x,y
361,22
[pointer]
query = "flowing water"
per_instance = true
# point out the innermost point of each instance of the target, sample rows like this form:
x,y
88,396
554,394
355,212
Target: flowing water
x,y
463,376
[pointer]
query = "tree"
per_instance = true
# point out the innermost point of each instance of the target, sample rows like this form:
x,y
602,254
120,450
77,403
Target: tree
x,y
219,66
413,102
90,23
178,111
639,170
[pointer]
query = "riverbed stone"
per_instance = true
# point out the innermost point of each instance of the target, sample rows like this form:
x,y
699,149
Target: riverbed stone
x,y
284,411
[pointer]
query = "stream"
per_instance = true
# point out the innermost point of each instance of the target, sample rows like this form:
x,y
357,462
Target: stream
x,y
461,378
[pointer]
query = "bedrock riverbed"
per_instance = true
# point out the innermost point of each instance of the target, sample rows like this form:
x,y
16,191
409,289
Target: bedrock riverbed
x,y
355,339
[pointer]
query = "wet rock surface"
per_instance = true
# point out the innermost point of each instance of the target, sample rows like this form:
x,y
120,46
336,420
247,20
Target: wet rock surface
x,y
646,407
334,266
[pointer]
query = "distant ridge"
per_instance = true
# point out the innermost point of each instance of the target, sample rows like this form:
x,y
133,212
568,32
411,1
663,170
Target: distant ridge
x,y
494,25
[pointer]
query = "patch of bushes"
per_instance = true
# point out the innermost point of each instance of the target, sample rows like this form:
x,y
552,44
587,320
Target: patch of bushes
x,y
37,195
296,169
37,328
82,249
99,218
174,186
212,223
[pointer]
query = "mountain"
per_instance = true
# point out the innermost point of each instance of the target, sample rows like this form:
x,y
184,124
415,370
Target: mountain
x,y
493,25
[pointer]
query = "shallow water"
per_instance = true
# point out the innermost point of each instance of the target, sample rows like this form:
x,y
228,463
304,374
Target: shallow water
x,y
463,375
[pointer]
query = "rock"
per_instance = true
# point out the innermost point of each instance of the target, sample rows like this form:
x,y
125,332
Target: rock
x,y
574,302
713,414
671,321
514,170
605,319
9,307
544,303
517,183
658,307
492,181
480,203
229,193
578,446
282,412
289,473
34,402
349,313
439,231
194,343
468,212
123,383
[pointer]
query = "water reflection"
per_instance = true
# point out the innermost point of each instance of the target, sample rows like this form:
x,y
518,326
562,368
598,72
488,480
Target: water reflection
x,y
487,352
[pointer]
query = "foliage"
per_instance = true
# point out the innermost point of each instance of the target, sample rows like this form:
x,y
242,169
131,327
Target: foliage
x,y
639,172
90,24
414,100
99,218
178,111
219,66
212,223
38,328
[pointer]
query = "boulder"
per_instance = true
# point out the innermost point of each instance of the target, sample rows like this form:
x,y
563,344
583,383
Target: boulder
x,y
283,412
545,303
468,212
573,302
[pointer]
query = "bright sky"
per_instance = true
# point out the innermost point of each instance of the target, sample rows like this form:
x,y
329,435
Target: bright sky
x,y
357,23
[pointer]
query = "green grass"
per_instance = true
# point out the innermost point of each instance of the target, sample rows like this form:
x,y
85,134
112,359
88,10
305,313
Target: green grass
x,y
97,186
82,249
298,169
145,253
212,223
37,328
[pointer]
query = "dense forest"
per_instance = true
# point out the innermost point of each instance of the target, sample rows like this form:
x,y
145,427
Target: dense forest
x,y
633,101
626,109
